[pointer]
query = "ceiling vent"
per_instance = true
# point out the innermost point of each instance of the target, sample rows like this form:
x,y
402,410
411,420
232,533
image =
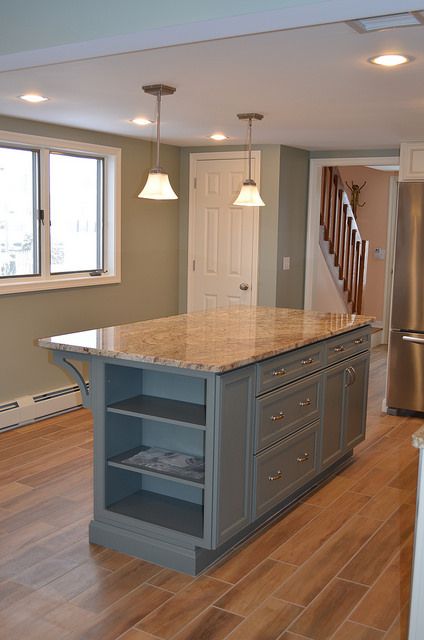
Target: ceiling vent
x,y
380,23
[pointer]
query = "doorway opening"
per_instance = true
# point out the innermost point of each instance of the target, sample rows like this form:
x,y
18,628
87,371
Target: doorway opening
x,y
376,215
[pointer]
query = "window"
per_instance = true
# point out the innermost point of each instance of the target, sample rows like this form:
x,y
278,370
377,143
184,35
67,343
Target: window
x,y
19,237
59,214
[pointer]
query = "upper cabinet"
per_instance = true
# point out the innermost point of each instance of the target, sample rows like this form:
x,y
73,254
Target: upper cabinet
x,y
411,161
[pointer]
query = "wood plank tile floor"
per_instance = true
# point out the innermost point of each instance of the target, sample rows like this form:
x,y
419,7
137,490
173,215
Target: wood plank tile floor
x,y
337,566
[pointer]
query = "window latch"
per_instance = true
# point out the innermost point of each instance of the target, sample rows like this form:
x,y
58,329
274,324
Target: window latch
x,y
97,272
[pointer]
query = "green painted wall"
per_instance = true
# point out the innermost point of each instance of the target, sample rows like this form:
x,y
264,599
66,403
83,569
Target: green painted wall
x,y
292,222
149,286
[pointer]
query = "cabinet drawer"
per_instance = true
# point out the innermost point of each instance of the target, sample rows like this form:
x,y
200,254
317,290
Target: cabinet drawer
x,y
281,412
278,371
285,467
347,344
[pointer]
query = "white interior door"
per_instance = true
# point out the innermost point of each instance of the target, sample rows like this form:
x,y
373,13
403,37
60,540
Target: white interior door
x,y
223,243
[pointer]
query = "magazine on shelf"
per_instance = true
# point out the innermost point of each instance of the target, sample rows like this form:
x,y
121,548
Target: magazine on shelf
x,y
172,463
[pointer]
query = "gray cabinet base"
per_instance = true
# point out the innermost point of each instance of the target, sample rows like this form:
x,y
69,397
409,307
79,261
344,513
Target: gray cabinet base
x,y
144,547
193,560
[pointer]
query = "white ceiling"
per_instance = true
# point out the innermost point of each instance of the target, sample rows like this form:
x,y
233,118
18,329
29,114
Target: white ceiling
x,y
313,85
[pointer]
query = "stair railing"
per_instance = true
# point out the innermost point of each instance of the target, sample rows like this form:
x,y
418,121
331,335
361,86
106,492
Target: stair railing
x,y
341,231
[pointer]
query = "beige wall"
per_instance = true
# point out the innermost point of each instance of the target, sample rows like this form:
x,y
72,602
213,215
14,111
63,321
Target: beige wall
x,y
149,286
372,221
326,296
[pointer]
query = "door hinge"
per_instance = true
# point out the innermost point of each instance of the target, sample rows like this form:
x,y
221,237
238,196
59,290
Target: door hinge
x,y
195,183
194,265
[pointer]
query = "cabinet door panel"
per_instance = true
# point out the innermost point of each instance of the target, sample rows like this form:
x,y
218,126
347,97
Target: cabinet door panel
x,y
356,401
235,399
332,417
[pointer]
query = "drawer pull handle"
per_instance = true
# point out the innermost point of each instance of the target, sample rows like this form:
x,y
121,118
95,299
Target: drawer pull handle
x,y
307,361
358,341
279,416
339,349
277,476
277,373
303,458
305,403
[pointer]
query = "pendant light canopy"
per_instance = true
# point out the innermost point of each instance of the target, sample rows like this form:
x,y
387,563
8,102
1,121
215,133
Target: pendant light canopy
x,y
158,186
249,195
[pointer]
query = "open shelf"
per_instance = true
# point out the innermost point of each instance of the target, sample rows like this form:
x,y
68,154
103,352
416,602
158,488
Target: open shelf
x,y
158,469
162,510
186,414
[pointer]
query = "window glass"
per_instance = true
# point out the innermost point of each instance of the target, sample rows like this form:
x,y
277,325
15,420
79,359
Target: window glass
x,y
76,213
19,255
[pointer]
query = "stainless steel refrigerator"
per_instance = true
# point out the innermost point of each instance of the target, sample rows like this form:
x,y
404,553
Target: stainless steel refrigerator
x,y
405,382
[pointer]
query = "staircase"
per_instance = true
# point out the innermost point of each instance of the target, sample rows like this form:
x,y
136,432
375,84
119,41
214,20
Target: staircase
x,y
344,250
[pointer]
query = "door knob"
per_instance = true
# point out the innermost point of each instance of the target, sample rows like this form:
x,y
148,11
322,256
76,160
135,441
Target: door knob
x,y
244,286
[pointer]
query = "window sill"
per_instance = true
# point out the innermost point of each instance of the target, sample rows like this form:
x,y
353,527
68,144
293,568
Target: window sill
x,y
38,284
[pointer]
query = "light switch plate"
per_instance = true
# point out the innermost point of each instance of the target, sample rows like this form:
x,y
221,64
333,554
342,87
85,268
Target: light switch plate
x,y
286,263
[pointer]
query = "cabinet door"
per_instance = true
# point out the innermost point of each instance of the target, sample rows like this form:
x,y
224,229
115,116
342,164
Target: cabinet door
x,y
411,161
356,392
332,417
235,397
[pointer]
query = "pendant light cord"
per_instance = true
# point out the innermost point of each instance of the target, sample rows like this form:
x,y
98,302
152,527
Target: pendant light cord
x,y
159,96
250,148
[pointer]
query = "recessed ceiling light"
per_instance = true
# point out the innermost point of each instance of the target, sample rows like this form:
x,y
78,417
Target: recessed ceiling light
x,y
391,59
218,137
33,97
142,122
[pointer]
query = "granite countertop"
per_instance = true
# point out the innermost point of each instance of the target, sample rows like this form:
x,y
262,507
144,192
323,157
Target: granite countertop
x,y
418,438
218,340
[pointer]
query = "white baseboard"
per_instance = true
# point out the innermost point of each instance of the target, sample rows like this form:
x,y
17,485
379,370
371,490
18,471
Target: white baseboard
x,y
27,409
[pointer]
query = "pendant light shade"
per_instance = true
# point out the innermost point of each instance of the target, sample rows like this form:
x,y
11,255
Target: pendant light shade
x,y
157,186
249,195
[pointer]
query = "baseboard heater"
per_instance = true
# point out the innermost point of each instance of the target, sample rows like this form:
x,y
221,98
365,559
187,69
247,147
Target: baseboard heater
x,y
27,409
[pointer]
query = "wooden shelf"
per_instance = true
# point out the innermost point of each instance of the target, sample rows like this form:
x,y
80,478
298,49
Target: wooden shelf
x,y
119,461
161,510
185,414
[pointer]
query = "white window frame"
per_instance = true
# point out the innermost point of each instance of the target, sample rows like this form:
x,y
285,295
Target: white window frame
x,y
112,215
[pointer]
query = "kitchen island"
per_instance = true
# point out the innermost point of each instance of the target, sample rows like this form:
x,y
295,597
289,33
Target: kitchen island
x,y
208,424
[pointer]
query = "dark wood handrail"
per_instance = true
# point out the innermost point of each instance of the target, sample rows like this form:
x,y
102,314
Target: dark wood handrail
x,y
341,231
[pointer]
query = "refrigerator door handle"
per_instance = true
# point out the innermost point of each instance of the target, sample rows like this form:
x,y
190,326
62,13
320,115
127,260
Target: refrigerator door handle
x,y
410,339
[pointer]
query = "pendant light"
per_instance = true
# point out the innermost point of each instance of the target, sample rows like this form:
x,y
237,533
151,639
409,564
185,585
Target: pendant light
x,y
158,186
249,195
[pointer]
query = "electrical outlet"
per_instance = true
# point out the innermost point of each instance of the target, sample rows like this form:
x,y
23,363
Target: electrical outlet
x,y
286,263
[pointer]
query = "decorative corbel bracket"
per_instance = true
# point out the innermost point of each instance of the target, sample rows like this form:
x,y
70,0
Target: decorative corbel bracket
x,y
64,361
